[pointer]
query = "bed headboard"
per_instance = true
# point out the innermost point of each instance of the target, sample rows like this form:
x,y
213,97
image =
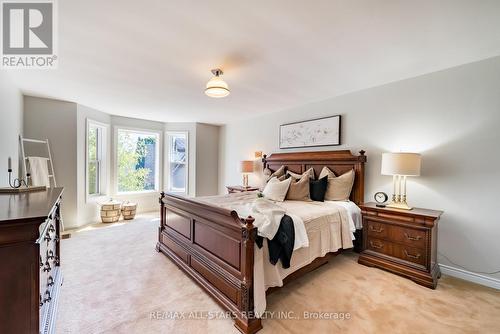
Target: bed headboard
x,y
338,161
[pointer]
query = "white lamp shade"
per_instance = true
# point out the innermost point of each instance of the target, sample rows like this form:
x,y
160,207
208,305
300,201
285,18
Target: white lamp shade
x,y
246,166
217,87
401,164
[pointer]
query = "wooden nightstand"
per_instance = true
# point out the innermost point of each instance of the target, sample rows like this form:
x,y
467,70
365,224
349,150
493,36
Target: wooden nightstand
x,y
240,189
403,242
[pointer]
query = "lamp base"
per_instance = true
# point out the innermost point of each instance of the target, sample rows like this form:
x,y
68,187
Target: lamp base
x,y
399,205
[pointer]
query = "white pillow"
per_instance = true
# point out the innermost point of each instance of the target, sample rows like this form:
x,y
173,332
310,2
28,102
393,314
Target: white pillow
x,y
276,190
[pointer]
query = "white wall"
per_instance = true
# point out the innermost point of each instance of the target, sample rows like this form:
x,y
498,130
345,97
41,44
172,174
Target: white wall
x,y
57,121
11,117
452,117
207,158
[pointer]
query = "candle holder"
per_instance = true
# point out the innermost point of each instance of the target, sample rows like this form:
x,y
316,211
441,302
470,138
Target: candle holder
x,y
17,182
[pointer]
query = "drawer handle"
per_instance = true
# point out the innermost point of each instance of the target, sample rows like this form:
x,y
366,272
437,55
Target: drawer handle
x,y
409,237
50,254
50,281
47,237
41,262
48,298
377,246
416,257
51,228
380,230
41,301
47,266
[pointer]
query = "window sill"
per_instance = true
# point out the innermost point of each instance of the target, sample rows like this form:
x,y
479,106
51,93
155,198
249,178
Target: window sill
x,y
96,198
143,192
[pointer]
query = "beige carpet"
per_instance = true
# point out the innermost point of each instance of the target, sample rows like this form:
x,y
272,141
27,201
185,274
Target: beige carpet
x,y
115,281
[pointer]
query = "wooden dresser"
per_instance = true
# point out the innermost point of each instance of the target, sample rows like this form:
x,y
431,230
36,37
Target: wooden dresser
x,y
30,277
401,241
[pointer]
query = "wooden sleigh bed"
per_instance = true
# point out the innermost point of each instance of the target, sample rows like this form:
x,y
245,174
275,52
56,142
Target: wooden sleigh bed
x,y
215,247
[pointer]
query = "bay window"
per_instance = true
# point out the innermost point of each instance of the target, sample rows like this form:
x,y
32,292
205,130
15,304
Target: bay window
x,y
137,160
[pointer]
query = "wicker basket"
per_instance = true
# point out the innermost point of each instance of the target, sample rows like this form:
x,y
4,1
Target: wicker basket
x,y
110,211
128,210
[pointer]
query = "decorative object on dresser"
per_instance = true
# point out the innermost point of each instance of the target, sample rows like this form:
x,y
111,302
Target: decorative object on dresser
x,y
403,242
323,131
246,167
215,246
18,185
240,189
381,198
110,211
30,279
400,165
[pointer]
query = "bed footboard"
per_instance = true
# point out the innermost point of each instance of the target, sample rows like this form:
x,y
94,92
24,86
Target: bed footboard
x,y
215,248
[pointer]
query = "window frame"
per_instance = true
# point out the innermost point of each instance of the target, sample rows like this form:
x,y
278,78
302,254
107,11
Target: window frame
x,y
102,158
167,161
158,175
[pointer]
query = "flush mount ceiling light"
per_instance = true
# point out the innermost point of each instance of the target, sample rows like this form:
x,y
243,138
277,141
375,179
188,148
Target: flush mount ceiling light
x,y
217,87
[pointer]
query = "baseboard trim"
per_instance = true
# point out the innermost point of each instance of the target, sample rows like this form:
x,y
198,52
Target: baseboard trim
x,y
470,276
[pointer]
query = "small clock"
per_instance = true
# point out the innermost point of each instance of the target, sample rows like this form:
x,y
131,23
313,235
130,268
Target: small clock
x,y
381,198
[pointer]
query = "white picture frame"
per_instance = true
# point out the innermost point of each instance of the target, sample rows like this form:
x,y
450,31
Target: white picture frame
x,y
323,131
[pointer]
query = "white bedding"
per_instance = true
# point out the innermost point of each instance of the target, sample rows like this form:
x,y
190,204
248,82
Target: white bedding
x,y
354,212
329,227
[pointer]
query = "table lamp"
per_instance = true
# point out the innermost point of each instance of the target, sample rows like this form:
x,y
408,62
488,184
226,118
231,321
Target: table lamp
x,y
246,167
400,165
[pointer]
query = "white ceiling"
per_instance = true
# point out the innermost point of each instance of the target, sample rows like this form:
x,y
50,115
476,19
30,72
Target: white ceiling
x,y
151,59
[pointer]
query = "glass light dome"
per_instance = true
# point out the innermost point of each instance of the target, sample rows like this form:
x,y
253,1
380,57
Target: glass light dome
x,y
216,87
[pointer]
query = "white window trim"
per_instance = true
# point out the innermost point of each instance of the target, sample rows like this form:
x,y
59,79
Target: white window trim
x,y
103,166
158,175
167,160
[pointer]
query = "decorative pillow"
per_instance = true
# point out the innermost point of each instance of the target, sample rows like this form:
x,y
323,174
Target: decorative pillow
x,y
299,189
309,172
276,190
278,173
339,187
317,189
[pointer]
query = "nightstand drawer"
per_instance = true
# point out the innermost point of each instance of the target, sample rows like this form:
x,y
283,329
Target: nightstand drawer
x,y
377,230
379,246
408,236
410,254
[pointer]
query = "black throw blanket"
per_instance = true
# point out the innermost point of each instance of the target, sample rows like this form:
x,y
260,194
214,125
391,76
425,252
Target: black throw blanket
x,y
281,247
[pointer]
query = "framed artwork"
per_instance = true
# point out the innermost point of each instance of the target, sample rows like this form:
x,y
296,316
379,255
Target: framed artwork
x,y
323,131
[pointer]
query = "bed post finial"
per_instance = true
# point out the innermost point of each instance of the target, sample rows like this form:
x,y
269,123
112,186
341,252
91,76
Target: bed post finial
x,y
249,222
264,160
